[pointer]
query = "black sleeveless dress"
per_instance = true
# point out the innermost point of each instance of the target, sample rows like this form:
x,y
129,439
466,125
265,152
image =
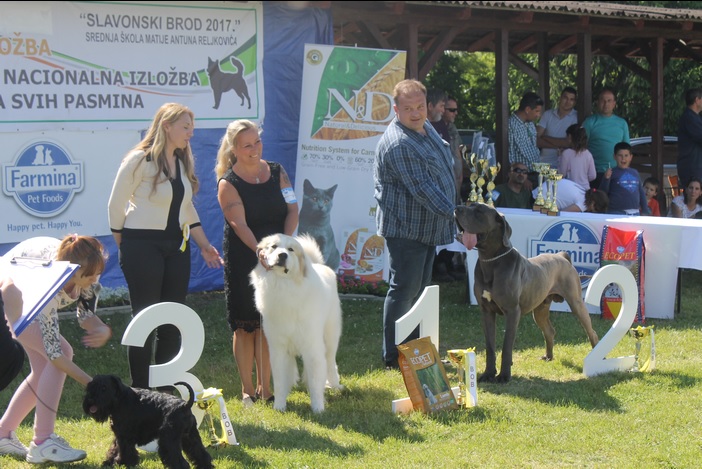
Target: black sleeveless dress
x,y
266,211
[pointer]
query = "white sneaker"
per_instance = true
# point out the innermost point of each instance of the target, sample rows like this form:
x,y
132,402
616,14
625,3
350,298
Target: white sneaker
x,y
12,446
151,447
54,449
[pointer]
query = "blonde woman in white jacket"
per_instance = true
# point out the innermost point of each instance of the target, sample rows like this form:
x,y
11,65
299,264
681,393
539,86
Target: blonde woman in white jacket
x,y
152,218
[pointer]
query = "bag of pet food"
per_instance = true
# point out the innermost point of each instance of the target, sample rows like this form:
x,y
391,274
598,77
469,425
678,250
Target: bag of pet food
x,y
347,265
371,257
425,377
627,249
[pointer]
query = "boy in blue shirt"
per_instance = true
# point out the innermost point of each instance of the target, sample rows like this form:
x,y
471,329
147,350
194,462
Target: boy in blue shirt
x,y
623,185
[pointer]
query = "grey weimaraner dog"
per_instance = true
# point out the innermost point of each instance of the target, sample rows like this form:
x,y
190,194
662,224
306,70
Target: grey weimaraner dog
x,y
508,283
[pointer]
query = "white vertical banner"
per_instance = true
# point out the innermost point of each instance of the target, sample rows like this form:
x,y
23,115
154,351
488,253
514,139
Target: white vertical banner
x,y
346,106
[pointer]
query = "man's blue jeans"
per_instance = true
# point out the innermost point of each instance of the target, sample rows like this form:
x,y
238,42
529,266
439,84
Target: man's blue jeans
x,y
410,271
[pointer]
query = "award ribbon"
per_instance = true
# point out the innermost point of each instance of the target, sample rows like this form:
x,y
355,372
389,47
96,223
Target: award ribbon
x,y
186,237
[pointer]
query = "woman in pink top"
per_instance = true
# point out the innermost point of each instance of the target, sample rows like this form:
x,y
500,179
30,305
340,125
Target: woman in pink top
x,y
576,163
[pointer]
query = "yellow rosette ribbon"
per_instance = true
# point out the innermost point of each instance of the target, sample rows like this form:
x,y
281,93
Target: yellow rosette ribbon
x,y
205,400
186,237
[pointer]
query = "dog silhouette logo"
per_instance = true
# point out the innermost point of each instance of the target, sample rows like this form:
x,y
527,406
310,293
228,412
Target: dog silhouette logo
x,y
577,239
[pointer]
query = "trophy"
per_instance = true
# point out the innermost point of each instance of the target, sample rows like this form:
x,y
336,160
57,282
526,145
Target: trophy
x,y
205,400
464,361
540,168
473,196
482,169
554,177
639,333
492,172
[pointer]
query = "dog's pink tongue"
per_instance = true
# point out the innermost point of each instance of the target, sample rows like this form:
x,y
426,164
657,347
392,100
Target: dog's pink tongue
x,y
469,240
93,409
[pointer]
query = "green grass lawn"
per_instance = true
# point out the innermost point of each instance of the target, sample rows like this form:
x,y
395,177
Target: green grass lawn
x,y
549,416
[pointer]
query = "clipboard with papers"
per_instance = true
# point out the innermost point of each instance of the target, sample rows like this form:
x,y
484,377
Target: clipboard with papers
x,y
39,280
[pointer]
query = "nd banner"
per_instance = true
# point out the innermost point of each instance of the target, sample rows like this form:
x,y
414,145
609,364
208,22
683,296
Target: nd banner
x,y
346,106
91,66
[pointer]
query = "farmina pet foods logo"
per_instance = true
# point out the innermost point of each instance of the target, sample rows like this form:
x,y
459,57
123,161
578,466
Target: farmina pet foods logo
x,y
577,239
43,179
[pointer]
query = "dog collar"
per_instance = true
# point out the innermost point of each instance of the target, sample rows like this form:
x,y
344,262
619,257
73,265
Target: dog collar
x,y
497,257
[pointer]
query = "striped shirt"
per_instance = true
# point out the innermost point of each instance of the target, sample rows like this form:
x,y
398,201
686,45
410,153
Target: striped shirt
x,y
414,185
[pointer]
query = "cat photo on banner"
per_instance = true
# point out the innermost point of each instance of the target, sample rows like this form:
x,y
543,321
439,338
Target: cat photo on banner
x,y
315,220
222,81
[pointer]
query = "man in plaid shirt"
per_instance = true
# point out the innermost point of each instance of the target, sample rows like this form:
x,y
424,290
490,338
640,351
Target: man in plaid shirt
x,y
522,134
416,193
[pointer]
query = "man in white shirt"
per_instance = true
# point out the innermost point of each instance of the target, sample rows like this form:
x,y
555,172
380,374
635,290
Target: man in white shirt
x,y
551,131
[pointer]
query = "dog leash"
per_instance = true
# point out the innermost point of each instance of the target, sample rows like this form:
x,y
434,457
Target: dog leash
x,y
497,257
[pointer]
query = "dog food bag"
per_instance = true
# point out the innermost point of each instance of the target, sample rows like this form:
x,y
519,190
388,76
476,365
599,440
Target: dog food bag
x,y
425,377
625,248
349,256
371,257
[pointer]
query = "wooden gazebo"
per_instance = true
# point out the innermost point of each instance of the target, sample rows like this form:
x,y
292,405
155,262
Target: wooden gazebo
x,y
510,28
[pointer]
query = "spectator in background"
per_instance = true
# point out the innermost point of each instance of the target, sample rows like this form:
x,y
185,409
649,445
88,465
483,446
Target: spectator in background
x,y
604,130
513,193
551,135
651,186
522,135
576,162
443,269
623,185
690,138
689,204
449,118
436,103
416,191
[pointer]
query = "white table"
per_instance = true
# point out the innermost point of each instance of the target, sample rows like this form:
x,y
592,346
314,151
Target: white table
x,y
671,243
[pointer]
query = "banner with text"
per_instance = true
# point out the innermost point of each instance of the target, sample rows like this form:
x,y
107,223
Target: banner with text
x,y
99,65
347,96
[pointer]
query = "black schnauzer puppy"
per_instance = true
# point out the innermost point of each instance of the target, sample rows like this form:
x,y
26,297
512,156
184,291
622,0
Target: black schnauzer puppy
x,y
139,416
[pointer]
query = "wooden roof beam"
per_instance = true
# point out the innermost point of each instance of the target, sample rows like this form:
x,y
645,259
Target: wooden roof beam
x,y
398,8
563,46
524,66
439,44
466,14
628,63
373,30
486,41
524,17
526,44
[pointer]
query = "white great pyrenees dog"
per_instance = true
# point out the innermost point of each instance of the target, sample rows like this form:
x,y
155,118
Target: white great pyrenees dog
x,y
297,296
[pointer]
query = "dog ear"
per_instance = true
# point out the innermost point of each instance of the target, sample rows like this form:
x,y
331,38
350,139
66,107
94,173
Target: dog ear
x,y
507,231
302,261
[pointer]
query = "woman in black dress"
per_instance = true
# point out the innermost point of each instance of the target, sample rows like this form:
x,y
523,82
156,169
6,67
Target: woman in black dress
x,y
257,200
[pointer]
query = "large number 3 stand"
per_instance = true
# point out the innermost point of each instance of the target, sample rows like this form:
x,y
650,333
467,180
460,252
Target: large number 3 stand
x,y
192,334
597,362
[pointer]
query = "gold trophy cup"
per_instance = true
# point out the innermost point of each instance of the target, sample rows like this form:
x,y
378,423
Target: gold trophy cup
x,y
482,169
473,196
554,177
639,333
539,202
492,173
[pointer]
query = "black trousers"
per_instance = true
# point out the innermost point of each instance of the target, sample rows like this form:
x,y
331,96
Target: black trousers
x,y
156,271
